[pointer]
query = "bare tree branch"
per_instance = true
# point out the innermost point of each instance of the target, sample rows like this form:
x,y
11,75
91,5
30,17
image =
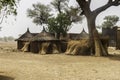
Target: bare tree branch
x,y
109,4
89,1
2,17
116,3
84,6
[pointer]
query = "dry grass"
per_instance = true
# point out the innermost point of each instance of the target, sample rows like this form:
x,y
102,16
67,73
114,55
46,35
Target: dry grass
x,y
27,66
77,47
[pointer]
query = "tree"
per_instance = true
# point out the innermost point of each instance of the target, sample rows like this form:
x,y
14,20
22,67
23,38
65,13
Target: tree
x,y
110,21
60,24
91,18
66,16
7,7
60,5
72,12
40,13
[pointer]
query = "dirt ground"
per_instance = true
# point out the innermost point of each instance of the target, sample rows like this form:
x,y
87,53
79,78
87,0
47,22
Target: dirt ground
x,y
28,66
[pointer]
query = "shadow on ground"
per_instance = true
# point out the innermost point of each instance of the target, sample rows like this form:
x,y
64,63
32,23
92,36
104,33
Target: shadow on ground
x,y
5,78
115,57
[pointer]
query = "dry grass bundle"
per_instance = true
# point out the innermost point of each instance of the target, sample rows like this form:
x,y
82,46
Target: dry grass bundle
x,y
78,47
44,48
55,49
71,45
25,47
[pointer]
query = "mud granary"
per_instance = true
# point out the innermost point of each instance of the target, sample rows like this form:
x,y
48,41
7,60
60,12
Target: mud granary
x,y
45,42
114,36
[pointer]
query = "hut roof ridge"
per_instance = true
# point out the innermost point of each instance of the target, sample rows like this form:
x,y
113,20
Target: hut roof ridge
x,y
43,36
26,36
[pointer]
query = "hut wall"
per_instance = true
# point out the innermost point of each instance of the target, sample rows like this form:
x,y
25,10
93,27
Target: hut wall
x,y
118,40
63,46
20,45
74,36
112,35
105,42
34,47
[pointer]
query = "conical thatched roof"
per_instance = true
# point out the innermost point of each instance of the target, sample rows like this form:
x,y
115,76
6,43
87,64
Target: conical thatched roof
x,y
84,35
26,36
44,36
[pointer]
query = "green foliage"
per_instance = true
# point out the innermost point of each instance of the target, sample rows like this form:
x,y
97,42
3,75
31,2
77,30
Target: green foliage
x,y
110,21
40,13
74,14
7,7
60,5
60,24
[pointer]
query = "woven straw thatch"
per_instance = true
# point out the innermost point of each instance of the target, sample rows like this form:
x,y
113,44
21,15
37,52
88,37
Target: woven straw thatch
x,y
21,41
76,36
84,35
26,36
44,36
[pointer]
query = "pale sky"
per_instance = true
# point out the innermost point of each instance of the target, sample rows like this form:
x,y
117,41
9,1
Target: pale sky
x,y
10,27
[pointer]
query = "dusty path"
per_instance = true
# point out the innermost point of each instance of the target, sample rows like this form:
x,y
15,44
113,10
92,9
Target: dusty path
x,y
27,66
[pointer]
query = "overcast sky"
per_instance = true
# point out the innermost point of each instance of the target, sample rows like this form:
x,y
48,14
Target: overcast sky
x,y
10,27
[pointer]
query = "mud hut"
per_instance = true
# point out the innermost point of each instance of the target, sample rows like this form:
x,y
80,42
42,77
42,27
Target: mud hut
x,y
44,43
78,36
118,38
111,33
73,36
23,42
78,44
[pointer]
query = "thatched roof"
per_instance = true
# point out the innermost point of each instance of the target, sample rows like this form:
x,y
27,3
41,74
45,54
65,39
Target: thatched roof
x,y
26,36
84,35
76,36
44,36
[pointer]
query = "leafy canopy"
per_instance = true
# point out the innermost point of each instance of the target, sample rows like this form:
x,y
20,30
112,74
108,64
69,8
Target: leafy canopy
x,y
110,21
60,24
60,5
7,7
40,13
57,22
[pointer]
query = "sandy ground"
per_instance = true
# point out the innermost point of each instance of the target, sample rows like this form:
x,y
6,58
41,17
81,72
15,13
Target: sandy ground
x,y
28,66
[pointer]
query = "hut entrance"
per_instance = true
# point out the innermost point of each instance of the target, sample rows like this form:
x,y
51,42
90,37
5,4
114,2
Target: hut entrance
x,y
47,48
43,48
26,47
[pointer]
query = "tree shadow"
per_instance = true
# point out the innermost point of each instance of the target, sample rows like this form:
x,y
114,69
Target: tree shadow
x,y
5,78
114,57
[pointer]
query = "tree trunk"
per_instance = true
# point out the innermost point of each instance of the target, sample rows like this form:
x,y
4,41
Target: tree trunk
x,y
91,27
57,35
95,43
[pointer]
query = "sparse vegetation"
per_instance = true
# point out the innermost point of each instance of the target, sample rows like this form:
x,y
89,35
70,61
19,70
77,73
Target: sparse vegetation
x,y
27,66
9,38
